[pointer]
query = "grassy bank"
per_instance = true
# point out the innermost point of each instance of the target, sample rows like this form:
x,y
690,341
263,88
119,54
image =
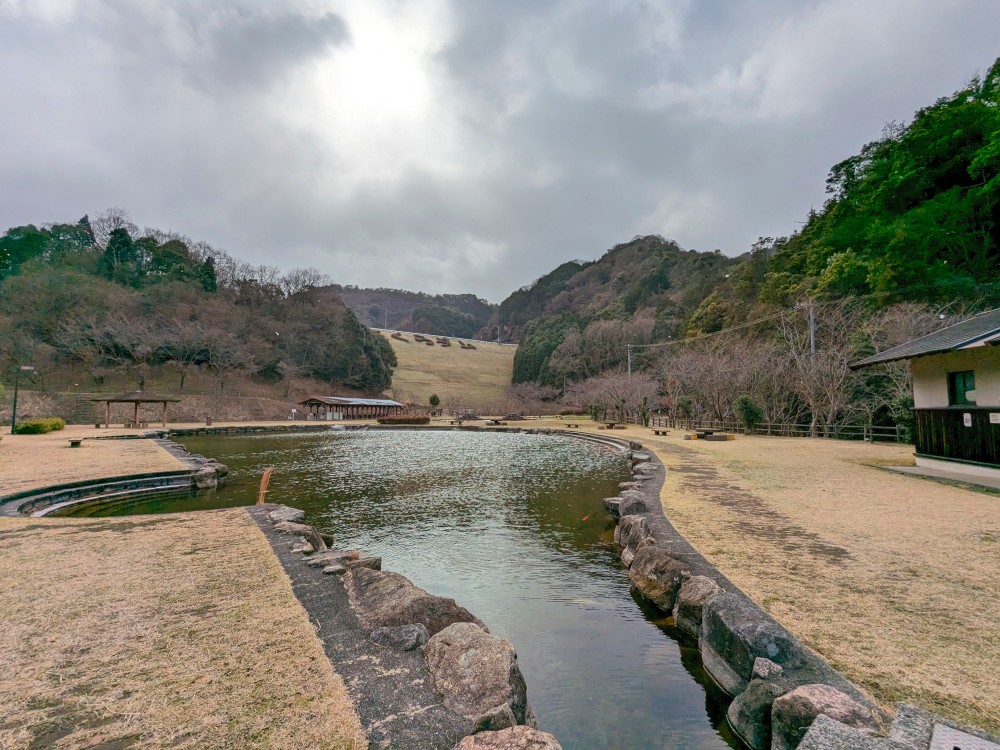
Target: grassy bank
x,y
177,631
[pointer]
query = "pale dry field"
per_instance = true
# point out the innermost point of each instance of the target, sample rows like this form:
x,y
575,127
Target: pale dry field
x,y
176,631
458,376
894,579
33,461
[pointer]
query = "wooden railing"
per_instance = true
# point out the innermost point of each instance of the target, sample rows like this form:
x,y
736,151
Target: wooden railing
x,y
948,434
782,429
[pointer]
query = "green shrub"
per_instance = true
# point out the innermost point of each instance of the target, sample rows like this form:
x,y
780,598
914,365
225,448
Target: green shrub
x,y
748,412
40,426
404,420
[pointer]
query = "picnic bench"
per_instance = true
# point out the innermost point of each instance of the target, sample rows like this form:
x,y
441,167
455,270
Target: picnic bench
x,y
661,433
75,442
496,422
572,425
456,421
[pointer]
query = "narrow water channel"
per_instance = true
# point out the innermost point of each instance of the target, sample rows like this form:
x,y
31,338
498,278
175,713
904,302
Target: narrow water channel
x,y
513,527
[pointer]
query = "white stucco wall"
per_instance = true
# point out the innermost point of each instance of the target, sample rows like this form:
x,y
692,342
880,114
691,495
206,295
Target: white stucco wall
x,y
930,379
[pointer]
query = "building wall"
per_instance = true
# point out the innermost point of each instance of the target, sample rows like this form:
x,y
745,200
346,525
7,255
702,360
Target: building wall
x,y
930,379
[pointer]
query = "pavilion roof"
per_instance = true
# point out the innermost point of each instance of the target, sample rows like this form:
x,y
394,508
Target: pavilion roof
x,y
344,401
137,397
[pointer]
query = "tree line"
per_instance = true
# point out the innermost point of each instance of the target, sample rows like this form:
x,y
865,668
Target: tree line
x,y
108,297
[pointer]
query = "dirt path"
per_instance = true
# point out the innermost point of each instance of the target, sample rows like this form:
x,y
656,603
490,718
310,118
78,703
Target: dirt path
x,y
175,631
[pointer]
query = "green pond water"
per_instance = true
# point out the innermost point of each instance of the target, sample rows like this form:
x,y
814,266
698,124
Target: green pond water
x,y
513,527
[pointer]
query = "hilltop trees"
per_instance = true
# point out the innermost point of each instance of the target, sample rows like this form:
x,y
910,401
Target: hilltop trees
x,y
114,299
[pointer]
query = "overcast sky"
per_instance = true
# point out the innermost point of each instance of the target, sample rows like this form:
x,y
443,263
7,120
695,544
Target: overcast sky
x,y
459,146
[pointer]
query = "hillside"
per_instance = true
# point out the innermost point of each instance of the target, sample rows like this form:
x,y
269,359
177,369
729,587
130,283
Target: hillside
x,y
437,314
109,303
460,377
913,217
575,321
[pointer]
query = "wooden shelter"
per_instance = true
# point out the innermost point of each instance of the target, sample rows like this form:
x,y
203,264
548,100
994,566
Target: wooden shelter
x,y
339,407
136,398
956,394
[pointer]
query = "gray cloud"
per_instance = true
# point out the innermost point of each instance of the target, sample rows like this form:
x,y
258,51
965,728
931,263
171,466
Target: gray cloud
x,y
458,146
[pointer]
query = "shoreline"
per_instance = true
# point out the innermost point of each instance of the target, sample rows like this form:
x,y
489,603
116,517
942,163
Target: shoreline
x,y
680,486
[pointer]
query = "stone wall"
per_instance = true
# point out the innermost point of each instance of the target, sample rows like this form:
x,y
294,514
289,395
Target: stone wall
x,y
482,698
778,684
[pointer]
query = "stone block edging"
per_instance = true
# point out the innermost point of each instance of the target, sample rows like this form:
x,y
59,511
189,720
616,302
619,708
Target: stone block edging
x,y
736,637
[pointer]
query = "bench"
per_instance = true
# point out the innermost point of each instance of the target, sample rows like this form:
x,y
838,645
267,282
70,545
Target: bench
x,y
456,421
75,442
572,425
661,433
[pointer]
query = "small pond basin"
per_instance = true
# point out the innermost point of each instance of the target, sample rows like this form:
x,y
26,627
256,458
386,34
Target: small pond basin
x,y
513,527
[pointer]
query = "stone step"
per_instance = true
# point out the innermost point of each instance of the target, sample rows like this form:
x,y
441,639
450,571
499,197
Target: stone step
x,y
829,734
912,729
922,730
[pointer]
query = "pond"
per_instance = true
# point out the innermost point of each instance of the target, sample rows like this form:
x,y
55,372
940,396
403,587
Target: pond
x,y
513,527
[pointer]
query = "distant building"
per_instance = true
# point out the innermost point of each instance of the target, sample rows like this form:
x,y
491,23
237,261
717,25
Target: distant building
x,y
956,394
338,407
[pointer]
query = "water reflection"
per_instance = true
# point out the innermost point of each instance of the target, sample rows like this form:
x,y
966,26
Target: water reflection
x,y
513,527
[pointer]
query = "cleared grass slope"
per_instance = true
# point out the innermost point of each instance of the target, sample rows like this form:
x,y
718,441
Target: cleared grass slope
x,y
458,376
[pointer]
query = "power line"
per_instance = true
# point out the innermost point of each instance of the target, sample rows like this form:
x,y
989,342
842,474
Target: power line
x,y
812,304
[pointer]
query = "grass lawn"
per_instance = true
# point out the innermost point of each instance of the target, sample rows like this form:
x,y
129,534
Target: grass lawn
x,y
894,579
173,631
460,377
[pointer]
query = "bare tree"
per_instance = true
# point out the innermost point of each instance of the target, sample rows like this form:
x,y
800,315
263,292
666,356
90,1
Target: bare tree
x,y
300,279
823,379
187,344
616,395
108,221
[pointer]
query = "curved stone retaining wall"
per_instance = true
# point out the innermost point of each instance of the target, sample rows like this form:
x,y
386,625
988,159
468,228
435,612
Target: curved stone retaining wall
x,y
199,473
779,686
745,651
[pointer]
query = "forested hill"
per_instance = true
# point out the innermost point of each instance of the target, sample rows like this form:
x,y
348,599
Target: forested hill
x,y
106,298
914,217
572,323
458,315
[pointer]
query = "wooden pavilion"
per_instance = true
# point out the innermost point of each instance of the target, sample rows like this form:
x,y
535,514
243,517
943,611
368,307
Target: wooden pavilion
x,y
338,407
136,398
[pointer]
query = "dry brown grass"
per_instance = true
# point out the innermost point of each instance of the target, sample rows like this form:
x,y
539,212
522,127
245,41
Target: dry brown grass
x,y
894,579
32,461
173,631
459,376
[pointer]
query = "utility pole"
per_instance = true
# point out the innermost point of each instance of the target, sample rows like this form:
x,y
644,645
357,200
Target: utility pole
x,y
17,382
812,329
628,348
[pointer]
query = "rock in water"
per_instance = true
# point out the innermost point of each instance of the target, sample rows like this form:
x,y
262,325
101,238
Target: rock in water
x,y
794,712
405,637
476,672
284,513
515,738
388,599
632,503
657,576
691,598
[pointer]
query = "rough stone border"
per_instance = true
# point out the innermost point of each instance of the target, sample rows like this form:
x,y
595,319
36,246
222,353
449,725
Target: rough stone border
x,y
779,685
394,687
741,645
